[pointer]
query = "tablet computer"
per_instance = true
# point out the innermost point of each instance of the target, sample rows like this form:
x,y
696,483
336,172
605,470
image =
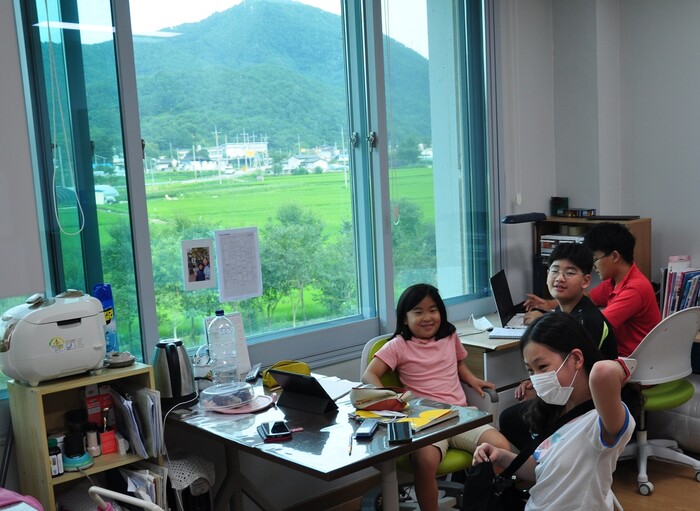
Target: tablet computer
x,y
302,392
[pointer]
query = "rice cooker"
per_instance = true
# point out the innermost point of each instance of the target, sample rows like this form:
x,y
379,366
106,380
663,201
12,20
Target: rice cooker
x,y
47,338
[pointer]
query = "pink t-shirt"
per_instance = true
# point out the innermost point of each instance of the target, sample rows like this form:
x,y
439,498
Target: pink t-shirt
x,y
427,368
630,307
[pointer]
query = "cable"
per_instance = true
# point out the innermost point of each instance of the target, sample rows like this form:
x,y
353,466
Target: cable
x,y
53,74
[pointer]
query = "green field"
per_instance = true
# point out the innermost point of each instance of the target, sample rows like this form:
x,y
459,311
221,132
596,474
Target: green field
x,y
246,201
205,205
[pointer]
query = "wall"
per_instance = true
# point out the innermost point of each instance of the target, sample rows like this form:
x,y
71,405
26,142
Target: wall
x,y
599,102
526,110
21,271
660,121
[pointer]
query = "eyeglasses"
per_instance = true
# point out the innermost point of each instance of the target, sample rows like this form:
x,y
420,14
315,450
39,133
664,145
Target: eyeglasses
x,y
568,274
596,259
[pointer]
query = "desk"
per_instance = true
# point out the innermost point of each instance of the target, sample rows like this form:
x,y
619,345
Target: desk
x,y
320,450
494,360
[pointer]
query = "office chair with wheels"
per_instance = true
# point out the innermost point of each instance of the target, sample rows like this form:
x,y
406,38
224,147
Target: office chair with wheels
x,y
663,362
455,460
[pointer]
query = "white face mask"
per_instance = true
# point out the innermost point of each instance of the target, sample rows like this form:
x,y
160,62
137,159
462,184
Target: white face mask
x,y
549,389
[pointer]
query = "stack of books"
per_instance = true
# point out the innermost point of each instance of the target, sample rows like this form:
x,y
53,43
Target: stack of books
x,y
680,285
548,242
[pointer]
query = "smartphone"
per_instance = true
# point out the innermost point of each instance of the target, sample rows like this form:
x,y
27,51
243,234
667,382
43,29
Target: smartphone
x,y
400,432
366,429
274,430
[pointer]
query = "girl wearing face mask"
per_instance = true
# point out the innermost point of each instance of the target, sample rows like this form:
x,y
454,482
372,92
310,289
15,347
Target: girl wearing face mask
x,y
572,469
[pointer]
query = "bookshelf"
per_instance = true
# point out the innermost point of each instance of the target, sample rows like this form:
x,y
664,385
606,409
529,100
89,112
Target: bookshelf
x,y
571,226
39,410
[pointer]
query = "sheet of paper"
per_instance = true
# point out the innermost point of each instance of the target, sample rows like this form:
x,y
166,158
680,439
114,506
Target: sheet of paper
x,y
336,387
238,264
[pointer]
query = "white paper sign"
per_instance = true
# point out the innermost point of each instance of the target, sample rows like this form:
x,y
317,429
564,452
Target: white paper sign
x,y
238,264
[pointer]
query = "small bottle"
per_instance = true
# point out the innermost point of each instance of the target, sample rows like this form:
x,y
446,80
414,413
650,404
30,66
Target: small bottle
x,y
55,457
222,349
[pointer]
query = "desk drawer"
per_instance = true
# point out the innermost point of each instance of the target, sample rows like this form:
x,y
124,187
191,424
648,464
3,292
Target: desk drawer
x,y
504,367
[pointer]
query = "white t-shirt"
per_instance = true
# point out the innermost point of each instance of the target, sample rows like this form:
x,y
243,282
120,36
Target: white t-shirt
x,y
574,467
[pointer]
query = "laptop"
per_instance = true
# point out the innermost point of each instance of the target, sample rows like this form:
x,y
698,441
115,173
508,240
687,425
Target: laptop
x,y
511,315
302,392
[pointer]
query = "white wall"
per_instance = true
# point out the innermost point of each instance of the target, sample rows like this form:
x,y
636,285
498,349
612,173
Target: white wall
x,y
21,271
660,121
526,107
600,102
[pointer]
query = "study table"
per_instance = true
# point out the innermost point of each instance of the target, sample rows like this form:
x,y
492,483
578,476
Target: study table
x,y
321,449
494,360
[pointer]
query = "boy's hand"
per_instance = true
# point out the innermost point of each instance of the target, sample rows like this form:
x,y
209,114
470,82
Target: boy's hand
x,y
531,316
535,302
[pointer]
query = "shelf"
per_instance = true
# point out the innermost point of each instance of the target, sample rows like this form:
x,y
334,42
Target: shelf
x,y
37,411
573,226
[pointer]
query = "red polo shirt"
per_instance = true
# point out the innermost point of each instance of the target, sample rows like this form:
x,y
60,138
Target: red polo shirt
x,y
630,307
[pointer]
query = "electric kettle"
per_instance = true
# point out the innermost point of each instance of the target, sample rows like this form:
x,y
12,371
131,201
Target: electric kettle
x,y
174,375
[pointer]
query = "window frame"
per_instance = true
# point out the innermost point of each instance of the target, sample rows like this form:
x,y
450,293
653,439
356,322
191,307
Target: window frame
x,y
366,113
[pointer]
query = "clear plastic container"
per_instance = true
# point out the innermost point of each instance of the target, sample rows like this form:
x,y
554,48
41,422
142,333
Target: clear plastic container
x,y
222,349
226,395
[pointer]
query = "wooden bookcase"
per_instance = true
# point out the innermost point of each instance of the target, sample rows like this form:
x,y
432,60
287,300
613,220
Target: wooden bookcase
x,y
640,229
38,411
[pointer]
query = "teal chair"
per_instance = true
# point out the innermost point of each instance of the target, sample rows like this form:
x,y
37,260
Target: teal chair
x,y
663,362
455,460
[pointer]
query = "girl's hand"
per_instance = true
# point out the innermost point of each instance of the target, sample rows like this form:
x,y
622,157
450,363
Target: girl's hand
x,y
477,384
524,391
484,452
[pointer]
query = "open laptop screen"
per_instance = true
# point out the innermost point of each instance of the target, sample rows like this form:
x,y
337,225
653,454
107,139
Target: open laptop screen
x,y
504,300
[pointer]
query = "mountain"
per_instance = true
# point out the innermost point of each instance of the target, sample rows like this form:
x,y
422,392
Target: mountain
x,y
250,69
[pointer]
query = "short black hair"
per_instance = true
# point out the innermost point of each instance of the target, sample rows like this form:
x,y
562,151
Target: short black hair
x,y
608,237
580,255
411,297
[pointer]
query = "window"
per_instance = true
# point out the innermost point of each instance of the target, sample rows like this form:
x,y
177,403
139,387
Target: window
x,y
353,142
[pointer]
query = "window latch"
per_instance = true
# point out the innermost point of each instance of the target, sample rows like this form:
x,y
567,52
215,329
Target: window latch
x,y
372,140
354,138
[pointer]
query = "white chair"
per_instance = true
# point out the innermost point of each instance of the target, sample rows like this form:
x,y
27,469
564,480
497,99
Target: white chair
x,y
454,460
663,362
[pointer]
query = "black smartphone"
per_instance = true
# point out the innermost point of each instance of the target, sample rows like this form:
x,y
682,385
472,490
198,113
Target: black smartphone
x,y
274,430
400,432
366,429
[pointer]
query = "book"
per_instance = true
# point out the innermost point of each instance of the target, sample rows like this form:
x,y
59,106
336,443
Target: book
x,y
506,333
676,264
421,413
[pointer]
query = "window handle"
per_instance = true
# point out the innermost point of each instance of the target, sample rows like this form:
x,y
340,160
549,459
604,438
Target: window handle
x,y
354,138
372,140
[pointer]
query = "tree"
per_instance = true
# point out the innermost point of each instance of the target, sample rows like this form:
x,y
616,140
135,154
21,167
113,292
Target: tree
x,y
336,280
290,256
414,249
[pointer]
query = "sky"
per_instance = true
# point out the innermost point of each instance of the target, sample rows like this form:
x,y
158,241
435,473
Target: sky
x,y
149,16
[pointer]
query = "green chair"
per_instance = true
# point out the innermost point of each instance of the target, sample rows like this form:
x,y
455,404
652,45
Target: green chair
x,y
455,460
663,362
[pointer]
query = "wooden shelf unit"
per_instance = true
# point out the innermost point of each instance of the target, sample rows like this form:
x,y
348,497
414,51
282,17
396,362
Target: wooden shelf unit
x,y
39,411
640,229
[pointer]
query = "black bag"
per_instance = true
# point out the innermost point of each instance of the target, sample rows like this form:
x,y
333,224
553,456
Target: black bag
x,y
486,491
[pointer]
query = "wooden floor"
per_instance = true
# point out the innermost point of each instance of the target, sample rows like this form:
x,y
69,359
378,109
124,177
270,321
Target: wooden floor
x,y
675,487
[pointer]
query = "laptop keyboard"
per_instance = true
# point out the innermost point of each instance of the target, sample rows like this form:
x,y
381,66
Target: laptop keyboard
x,y
517,321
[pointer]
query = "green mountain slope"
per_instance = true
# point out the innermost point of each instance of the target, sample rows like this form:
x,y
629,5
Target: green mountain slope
x,y
251,69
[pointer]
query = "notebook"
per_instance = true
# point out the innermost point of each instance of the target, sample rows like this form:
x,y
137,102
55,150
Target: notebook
x,y
511,315
506,333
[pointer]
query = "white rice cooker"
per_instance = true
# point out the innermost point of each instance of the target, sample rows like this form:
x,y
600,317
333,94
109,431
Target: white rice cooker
x,y
48,338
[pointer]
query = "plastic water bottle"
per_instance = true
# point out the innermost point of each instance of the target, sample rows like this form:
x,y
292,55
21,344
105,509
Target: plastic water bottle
x,y
222,349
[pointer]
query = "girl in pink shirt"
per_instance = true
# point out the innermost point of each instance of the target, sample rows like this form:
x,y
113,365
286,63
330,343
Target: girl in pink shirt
x,y
429,358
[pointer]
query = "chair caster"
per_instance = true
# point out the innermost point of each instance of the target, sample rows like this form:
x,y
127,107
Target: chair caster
x,y
697,476
646,488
